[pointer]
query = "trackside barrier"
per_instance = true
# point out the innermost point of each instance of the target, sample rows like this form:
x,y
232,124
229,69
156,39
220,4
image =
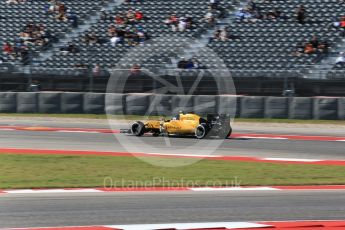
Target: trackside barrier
x,y
229,104
27,102
153,104
49,103
72,103
93,103
205,104
341,109
114,103
161,105
326,108
252,107
8,103
138,104
301,108
182,103
276,107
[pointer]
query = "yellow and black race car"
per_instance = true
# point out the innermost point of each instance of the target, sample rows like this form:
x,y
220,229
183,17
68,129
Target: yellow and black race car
x,y
186,125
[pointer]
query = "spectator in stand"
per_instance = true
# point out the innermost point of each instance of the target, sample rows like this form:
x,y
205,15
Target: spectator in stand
x,y
209,17
252,5
321,47
135,70
8,49
243,15
309,48
130,15
120,19
274,14
182,64
189,22
115,40
299,50
104,15
339,24
214,4
315,42
61,17
91,38
182,25
196,63
111,31
15,1
341,58
138,15
173,21
96,71
72,17
216,35
224,36
301,14
70,48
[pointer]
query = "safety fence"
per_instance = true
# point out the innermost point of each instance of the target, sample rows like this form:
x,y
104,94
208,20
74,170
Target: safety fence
x,y
155,104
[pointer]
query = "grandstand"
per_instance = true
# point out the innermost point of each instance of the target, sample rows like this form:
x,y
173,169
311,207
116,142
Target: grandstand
x,y
255,39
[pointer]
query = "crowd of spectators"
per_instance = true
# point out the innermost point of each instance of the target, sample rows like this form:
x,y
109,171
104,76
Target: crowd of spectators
x,y
179,23
32,35
125,28
252,13
61,12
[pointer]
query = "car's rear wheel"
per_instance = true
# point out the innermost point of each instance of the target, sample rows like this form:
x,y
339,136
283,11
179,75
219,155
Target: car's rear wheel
x,y
201,131
225,132
138,129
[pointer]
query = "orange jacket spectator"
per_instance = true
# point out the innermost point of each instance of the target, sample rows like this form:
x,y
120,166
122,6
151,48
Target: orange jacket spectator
x,y
309,49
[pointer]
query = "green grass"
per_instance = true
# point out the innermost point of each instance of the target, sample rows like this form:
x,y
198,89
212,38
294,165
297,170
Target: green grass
x,y
55,171
134,117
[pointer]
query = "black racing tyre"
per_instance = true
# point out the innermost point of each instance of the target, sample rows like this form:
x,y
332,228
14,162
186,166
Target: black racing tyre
x,y
229,132
224,133
138,128
201,131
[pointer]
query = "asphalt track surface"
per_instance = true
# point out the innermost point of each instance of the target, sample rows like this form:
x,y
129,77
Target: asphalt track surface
x,y
45,210
140,208
230,147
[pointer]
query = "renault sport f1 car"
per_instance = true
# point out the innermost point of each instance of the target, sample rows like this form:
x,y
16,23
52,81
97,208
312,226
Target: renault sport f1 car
x,y
186,125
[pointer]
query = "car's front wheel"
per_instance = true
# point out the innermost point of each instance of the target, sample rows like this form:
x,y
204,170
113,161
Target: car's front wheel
x,y
138,129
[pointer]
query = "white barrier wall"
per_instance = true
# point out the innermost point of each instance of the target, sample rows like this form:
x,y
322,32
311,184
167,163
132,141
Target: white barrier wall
x,y
151,104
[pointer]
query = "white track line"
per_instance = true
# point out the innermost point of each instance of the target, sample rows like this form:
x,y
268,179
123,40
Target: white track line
x,y
268,138
233,189
181,155
75,131
228,225
7,129
291,159
40,191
